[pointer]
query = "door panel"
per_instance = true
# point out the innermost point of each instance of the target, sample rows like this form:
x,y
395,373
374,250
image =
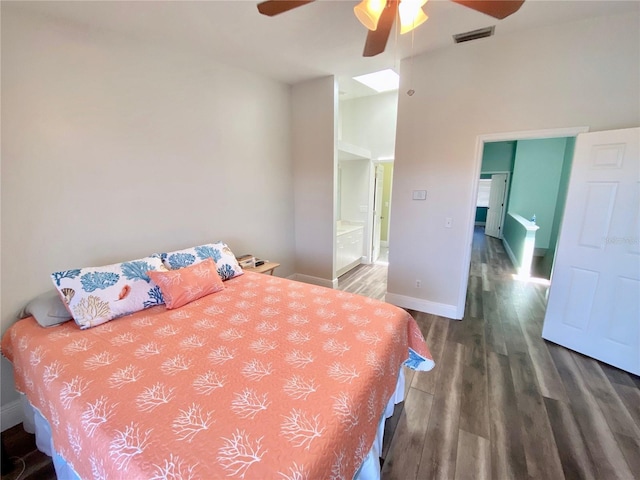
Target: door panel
x,y
497,194
594,299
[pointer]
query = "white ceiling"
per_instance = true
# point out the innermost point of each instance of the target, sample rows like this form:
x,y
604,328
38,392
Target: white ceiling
x,y
318,39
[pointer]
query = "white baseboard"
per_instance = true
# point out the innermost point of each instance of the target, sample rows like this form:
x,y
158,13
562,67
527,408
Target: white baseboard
x,y
11,414
426,306
510,253
322,282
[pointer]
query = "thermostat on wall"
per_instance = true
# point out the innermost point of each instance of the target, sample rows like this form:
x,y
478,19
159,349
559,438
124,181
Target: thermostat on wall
x,y
419,194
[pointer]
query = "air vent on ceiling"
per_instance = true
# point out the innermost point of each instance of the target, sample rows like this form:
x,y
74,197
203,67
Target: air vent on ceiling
x,y
474,34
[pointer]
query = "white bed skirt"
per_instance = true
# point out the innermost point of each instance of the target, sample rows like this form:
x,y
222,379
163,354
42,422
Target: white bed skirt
x,y
34,422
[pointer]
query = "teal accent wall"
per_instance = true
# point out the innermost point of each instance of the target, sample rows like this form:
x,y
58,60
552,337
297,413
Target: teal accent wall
x,y
481,214
563,186
498,157
514,235
537,171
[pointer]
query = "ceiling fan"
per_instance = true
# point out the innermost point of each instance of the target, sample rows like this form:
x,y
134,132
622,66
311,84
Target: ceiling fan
x,y
378,15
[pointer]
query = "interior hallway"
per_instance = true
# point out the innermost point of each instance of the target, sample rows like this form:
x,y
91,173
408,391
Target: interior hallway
x,y
502,403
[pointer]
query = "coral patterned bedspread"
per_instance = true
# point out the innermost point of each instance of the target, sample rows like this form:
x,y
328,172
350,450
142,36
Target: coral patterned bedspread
x,y
268,378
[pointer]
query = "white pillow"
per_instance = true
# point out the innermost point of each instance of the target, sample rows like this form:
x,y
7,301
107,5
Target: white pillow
x,y
96,295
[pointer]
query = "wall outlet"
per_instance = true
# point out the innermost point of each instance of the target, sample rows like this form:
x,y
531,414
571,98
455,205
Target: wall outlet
x,y
418,283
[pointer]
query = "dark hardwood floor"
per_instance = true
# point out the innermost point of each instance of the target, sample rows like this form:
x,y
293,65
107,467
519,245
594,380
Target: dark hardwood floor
x,y
502,403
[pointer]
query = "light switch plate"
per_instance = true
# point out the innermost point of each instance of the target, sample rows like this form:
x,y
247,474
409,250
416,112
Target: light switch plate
x,y
419,194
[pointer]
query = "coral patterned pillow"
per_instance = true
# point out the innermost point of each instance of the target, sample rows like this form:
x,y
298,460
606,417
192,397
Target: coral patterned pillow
x,y
96,295
226,262
187,284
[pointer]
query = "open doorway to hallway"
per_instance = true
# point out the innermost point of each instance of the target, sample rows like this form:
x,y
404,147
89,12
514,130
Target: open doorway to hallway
x,y
521,197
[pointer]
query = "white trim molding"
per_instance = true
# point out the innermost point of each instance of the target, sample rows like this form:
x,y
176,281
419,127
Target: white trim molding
x,y
510,253
422,305
11,414
322,282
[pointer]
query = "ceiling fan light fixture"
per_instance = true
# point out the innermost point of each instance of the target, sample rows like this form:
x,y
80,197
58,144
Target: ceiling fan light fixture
x,y
411,15
369,11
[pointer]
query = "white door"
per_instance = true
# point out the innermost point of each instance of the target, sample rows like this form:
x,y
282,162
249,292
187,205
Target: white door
x,y
497,194
377,212
594,299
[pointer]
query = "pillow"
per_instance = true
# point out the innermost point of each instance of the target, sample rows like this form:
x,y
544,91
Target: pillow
x,y
48,310
96,295
187,284
220,253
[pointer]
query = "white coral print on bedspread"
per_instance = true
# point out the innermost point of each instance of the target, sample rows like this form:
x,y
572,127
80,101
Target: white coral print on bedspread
x,y
174,468
239,452
192,421
152,397
301,429
127,444
96,414
248,403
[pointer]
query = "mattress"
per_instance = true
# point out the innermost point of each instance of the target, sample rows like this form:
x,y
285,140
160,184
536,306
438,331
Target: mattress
x,y
269,378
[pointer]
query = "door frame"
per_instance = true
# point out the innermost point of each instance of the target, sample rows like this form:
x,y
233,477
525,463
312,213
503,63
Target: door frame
x,y
480,141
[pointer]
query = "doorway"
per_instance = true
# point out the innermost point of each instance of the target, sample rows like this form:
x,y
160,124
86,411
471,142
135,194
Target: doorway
x,y
382,173
481,143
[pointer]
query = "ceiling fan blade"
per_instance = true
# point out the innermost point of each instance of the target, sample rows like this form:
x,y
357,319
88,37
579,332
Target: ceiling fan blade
x,y
377,39
496,8
275,7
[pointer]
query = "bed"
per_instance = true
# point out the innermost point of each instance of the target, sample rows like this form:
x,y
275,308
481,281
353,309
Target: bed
x,y
268,378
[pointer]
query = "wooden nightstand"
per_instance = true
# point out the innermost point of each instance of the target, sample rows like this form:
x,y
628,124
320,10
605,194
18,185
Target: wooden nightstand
x,y
266,267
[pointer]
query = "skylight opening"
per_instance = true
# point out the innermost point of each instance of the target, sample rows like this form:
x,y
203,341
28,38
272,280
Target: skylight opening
x,y
381,81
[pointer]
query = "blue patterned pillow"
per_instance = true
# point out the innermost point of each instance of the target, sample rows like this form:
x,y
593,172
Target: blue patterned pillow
x,y
95,295
223,256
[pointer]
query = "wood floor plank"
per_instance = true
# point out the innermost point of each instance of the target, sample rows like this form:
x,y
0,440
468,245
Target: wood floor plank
x,y
507,452
474,457
615,375
493,333
474,298
541,451
390,427
630,396
613,408
611,405
604,449
537,437
441,441
436,339
474,408
547,375
486,283
405,452
574,454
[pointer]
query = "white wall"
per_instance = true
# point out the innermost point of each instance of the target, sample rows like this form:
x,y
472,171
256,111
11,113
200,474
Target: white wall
x,y
370,123
314,125
114,149
581,73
